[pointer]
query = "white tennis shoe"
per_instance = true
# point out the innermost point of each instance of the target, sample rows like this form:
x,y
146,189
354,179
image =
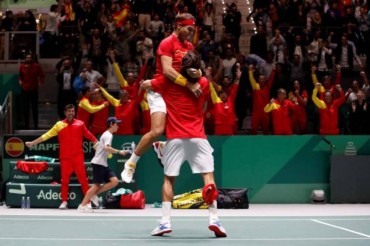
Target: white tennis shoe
x,y
162,229
95,200
217,228
63,205
128,171
85,209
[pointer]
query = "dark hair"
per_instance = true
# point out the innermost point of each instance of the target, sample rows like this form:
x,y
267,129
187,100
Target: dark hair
x,y
69,106
190,60
53,7
184,16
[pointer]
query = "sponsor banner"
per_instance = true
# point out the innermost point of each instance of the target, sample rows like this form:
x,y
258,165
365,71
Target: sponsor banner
x,y
15,148
52,174
41,195
47,195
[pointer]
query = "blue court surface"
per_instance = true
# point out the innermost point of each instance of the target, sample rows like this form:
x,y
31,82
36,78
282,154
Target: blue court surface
x,y
279,225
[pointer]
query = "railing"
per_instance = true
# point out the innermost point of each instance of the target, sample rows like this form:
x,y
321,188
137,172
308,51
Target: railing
x,y
14,45
6,116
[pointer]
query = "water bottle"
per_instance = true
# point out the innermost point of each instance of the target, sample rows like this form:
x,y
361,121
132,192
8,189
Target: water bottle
x,y
100,199
28,203
23,202
350,149
133,147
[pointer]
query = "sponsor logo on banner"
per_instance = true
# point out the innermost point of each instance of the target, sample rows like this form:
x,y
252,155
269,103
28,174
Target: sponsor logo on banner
x,y
14,147
53,195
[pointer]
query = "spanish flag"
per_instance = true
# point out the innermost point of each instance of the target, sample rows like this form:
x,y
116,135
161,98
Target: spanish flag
x,y
120,16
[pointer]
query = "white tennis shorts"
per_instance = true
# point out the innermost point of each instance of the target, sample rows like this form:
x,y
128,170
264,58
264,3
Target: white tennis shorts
x,y
197,151
156,102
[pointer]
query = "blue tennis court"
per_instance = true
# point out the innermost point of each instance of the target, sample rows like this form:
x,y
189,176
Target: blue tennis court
x,y
283,225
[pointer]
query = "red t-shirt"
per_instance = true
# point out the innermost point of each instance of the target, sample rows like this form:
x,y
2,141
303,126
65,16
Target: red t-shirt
x,y
184,110
172,47
98,124
224,113
281,120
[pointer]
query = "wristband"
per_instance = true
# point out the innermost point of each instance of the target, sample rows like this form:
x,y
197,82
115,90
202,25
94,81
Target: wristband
x,y
181,80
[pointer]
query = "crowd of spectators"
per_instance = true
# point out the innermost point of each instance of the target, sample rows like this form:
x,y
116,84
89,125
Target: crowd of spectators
x,y
305,67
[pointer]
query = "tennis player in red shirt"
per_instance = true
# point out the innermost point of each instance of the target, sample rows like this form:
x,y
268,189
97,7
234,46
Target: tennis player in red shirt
x,y
168,59
186,140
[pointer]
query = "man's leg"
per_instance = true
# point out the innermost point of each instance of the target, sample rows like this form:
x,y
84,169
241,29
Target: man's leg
x,y
214,222
66,172
158,123
167,196
88,195
113,182
34,97
26,108
80,170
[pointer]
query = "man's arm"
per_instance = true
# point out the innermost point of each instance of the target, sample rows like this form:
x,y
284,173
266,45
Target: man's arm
x,y
85,104
49,134
115,102
170,73
34,142
319,103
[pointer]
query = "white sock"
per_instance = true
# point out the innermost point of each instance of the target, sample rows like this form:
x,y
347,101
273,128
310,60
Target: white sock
x,y
213,210
134,158
166,211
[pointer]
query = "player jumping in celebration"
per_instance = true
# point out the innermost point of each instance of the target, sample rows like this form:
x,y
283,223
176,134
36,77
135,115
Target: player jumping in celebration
x,y
169,55
186,141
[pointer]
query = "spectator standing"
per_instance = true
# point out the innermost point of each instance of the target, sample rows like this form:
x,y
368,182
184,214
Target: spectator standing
x,y
281,110
209,19
144,9
7,23
70,132
259,43
359,115
125,110
224,107
261,97
328,110
86,109
67,73
144,47
31,77
156,30
299,97
90,75
50,35
98,118
231,21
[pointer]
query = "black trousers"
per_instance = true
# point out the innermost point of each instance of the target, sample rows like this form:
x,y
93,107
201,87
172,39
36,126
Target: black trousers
x,y
30,99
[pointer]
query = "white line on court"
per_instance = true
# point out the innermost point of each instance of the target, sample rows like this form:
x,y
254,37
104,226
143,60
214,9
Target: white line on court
x,y
181,239
174,219
342,228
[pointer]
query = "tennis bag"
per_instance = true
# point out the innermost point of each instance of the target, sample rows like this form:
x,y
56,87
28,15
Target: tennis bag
x,y
110,201
232,198
32,167
192,199
135,200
